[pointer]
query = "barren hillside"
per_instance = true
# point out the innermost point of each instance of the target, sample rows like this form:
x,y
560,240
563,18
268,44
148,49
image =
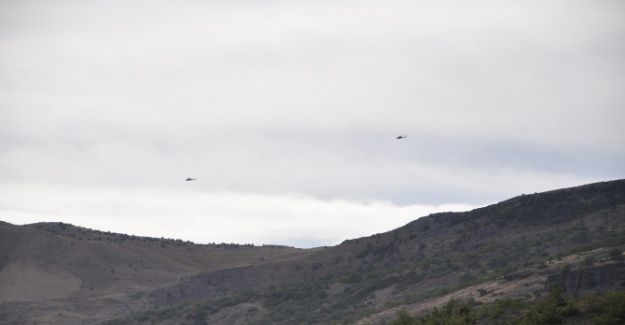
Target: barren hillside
x,y
53,267
520,248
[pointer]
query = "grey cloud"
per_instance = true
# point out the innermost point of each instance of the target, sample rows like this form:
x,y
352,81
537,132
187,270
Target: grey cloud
x,y
285,97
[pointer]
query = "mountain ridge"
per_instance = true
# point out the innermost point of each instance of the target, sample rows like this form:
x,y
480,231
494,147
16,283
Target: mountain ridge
x,y
104,276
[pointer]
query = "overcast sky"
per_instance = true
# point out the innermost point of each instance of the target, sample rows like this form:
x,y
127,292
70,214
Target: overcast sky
x,y
287,112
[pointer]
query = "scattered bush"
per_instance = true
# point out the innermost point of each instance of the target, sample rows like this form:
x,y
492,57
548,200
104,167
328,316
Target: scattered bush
x,y
616,254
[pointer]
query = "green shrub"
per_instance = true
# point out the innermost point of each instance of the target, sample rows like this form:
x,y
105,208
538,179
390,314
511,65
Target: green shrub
x,y
616,254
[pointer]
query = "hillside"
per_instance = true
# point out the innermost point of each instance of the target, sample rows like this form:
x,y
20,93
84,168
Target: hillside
x,y
520,248
81,275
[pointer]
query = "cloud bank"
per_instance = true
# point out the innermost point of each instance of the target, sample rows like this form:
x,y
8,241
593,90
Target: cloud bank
x,y
296,104
227,217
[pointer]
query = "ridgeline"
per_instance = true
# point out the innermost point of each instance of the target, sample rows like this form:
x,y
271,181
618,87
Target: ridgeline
x,y
502,262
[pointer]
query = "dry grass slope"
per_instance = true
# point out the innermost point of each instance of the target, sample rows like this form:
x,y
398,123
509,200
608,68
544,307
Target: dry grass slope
x,y
54,273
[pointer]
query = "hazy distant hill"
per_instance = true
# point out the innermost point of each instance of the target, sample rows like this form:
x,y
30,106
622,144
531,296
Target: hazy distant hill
x,y
54,273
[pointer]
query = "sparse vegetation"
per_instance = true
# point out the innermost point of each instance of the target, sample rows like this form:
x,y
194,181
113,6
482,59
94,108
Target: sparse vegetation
x,y
616,254
559,236
608,308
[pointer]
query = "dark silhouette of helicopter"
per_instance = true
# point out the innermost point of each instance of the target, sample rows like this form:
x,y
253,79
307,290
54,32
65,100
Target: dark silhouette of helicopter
x,y
401,136
190,179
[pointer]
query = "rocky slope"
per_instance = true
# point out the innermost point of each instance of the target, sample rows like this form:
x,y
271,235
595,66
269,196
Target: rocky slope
x,y
522,247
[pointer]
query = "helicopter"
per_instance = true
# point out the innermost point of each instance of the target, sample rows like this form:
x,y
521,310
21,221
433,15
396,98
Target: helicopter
x,y
401,136
190,179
